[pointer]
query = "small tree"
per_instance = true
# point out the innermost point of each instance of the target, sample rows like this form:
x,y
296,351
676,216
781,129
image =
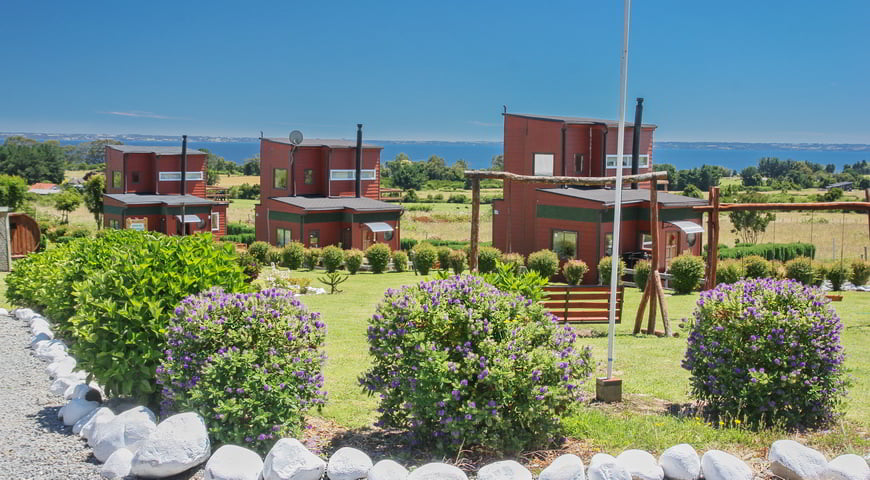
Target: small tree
x,y
12,191
750,225
66,202
95,187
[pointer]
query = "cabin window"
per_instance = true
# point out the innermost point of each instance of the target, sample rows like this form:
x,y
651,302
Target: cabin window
x,y
279,178
642,161
215,221
608,244
544,164
388,236
578,163
691,238
283,236
176,176
114,224
134,177
117,179
314,239
351,175
565,244
645,241
309,176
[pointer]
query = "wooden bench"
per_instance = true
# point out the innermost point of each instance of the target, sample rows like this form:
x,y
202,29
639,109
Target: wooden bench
x,y
582,303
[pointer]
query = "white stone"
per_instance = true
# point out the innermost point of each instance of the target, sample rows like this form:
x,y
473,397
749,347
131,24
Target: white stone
x,y
603,469
847,467
179,443
231,462
641,465
62,367
118,465
718,465
793,461
681,462
504,470
4,312
39,325
50,351
348,464
24,314
77,427
121,432
38,337
60,386
388,470
101,416
601,458
437,471
76,409
290,460
566,467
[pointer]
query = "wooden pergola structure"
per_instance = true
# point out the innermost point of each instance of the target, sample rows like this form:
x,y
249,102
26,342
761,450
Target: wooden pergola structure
x,y
716,207
654,293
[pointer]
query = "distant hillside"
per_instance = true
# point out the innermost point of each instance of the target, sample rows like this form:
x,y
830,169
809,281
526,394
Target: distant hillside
x,y
821,147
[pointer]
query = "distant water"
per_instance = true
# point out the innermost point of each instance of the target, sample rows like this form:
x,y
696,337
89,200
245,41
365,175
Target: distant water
x,y
479,155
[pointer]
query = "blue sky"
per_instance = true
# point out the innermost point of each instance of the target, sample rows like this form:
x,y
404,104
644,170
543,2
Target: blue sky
x,y
790,71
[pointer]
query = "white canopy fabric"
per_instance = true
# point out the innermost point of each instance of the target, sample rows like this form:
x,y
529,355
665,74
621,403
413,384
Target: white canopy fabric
x,y
189,219
378,227
687,226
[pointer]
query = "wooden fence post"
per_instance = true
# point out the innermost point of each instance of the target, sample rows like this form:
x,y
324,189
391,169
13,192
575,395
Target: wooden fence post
x,y
475,222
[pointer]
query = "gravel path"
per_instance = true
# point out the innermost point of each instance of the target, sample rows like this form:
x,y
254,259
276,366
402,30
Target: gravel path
x,y
34,444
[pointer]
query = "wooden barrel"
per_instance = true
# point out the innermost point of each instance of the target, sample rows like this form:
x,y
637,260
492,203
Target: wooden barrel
x,y
24,234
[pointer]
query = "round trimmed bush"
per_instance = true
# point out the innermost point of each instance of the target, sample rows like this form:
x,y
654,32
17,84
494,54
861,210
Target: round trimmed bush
x,y
686,272
755,266
545,262
800,269
400,261
573,271
378,256
460,364
273,256
767,352
249,265
292,255
730,271
837,274
487,258
605,266
821,273
250,364
457,261
642,269
333,258
425,256
515,259
444,258
311,257
260,251
353,259
777,270
860,272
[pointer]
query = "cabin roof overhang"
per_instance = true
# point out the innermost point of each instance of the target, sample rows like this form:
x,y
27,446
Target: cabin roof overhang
x,y
362,204
168,200
607,197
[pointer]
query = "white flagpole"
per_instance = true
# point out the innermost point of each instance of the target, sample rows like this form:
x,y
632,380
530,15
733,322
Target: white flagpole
x,y
617,209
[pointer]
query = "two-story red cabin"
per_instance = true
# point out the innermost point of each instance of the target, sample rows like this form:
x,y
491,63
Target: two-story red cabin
x,y
144,192
577,222
310,196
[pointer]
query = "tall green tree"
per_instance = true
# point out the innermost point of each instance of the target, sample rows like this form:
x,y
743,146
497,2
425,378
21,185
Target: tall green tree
x,y
251,166
750,225
12,191
67,201
497,163
93,192
34,161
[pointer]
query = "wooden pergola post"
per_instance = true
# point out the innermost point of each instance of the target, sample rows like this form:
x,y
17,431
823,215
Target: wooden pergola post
x,y
475,222
654,292
712,239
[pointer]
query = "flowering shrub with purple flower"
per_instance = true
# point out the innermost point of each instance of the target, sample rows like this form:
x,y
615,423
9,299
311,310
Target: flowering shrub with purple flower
x,y
767,352
459,363
249,363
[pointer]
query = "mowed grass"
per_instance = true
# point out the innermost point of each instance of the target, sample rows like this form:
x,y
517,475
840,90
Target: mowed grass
x,y
235,180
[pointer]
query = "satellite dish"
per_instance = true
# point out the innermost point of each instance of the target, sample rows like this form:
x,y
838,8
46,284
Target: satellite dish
x,y
295,137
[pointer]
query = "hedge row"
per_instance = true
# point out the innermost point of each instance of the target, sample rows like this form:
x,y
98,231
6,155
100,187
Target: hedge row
x,y
769,251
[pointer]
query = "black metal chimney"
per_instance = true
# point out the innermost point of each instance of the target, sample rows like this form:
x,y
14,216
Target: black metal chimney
x,y
358,160
635,141
183,164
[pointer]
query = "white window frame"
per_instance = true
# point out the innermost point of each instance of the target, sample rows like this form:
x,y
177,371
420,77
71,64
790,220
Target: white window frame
x,y
544,164
215,225
351,174
176,176
642,161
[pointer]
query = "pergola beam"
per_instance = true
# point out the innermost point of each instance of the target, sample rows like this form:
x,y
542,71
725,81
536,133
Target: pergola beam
x,y
786,207
601,181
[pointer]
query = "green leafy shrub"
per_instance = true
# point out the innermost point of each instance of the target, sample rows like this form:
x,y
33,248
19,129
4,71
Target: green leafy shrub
x,y
605,267
333,258
293,255
407,244
238,228
311,257
273,256
378,256
837,274
250,364
400,261
769,251
246,238
250,266
507,277
515,259
545,262
767,352
730,271
821,273
756,267
642,270
686,273
457,198
460,364
260,251
457,261
860,272
573,271
777,270
801,269
444,257
424,256
353,259
487,257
